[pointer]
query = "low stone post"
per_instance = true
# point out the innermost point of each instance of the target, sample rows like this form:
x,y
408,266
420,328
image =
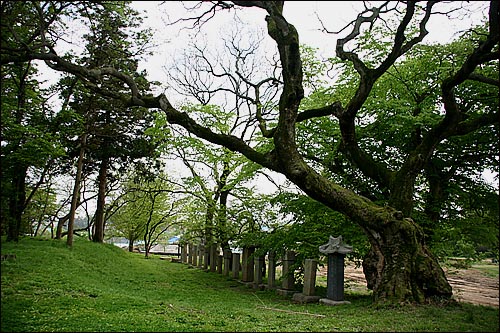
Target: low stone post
x,y
287,274
259,264
184,253
206,254
307,294
190,254
247,264
227,261
201,251
236,265
271,270
195,255
220,259
336,251
288,281
309,277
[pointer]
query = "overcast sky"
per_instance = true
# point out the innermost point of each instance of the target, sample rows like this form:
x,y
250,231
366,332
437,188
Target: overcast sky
x,y
302,14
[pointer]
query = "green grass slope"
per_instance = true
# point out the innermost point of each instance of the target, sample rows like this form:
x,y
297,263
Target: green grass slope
x,y
96,288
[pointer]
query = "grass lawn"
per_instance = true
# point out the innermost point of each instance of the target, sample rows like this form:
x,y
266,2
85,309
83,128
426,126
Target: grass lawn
x,y
99,287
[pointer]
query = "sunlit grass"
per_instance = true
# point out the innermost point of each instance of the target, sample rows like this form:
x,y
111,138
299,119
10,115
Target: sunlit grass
x,y
487,269
96,287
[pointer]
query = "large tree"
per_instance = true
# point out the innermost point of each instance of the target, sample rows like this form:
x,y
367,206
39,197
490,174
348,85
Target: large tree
x,y
399,267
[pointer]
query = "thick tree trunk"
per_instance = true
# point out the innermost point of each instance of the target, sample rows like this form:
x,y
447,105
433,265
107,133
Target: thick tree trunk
x,y
101,199
400,268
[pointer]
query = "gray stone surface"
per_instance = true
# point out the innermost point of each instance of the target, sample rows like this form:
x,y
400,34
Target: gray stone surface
x,y
271,270
247,264
335,245
309,277
327,301
236,265
288,280
301,298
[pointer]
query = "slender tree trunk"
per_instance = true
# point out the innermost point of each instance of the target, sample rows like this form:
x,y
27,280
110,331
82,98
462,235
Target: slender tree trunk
x,y
76,191
60,225
17,200
101,199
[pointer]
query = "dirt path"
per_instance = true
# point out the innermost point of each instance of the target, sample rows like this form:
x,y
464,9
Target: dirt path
x,y
469,285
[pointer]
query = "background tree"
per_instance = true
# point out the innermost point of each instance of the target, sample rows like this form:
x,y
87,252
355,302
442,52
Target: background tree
x,y
147,210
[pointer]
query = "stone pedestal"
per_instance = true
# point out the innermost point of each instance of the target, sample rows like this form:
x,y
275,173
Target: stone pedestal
x,y
330,302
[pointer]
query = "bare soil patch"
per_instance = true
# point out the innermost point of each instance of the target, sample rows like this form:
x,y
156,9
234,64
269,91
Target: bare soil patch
x,y
469,285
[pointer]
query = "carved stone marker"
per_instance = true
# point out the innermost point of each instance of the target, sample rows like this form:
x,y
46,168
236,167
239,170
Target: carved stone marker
x,y
236,266
184,253
227,261
307,294
190,254
258,268
220,261
309,277
336,250
288,281
271,270
195,253
206,254
247,264
201,251
287,275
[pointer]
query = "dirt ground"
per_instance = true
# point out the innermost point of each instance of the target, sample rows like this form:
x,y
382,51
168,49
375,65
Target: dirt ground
x,y
469,285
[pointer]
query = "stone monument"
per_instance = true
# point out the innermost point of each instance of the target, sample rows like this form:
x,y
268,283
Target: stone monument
x,y
336,250
307,295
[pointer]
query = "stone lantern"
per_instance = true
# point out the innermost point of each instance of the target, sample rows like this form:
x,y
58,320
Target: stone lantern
x,y
335,249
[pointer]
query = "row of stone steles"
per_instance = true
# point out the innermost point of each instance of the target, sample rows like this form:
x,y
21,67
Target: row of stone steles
x,y
253,269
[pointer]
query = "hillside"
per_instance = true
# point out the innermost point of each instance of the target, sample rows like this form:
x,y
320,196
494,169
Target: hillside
x,y
99,287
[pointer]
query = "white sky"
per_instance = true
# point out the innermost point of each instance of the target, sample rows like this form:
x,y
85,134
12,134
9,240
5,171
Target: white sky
x,y
302,14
